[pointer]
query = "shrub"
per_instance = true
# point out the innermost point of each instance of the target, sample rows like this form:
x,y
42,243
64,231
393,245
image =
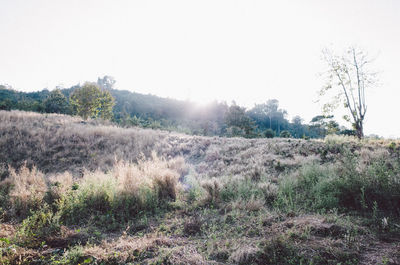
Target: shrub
x,y
269,133
36,228
285,134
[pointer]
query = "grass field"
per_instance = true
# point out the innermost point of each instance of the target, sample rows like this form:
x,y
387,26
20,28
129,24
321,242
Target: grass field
x,y
75,192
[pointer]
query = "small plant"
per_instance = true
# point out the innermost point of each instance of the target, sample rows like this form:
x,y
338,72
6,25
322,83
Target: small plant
x,y
37,227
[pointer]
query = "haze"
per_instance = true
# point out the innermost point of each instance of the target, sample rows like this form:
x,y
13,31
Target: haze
x,y
247,51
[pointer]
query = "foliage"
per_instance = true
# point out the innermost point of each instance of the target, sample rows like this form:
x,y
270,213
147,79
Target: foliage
x,y
56,102
106,104
269,116
90,101
269,133
37,227
324,125
106,83
285,134
236,118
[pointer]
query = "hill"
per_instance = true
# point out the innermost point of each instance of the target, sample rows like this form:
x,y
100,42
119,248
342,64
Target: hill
x,y
87,192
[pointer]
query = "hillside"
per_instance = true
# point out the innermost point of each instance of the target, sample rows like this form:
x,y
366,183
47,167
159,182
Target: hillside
x,y
89,192
55,143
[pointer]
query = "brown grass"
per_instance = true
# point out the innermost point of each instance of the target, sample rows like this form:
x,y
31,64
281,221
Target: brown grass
x,y
115,166
28,188
57,143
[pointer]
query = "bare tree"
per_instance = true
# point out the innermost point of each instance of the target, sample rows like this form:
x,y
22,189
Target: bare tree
x,y
348,77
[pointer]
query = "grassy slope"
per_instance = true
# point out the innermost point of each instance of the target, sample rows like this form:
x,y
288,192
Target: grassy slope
x,y
55,143
203,228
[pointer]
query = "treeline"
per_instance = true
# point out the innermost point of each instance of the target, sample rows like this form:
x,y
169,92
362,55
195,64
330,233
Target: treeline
x,y
149,111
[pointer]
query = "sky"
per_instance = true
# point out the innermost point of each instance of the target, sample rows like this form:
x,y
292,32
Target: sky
x,y
248,51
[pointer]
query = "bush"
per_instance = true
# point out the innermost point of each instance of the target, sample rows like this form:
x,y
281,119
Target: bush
x,y
285,134
269,133
36,228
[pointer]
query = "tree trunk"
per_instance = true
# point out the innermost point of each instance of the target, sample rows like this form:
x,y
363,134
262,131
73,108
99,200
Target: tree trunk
x,y
360,130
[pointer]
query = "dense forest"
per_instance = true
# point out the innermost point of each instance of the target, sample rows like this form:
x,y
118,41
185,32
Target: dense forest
x,y
149,111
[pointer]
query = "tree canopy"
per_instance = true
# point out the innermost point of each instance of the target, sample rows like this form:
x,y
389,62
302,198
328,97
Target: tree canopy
x,y
90,101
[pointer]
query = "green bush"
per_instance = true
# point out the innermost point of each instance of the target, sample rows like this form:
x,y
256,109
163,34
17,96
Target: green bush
x,y
285,134
269,133
36,228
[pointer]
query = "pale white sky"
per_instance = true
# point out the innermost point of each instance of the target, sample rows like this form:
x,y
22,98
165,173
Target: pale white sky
x,y
247,51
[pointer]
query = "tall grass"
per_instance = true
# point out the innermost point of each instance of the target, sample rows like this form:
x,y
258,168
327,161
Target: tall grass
x,y
119,195
57,143
359,181
25,190
123,192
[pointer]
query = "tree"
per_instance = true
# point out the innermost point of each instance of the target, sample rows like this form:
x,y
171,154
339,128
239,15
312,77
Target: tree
x,y
324,125
348,77
6,104
106,83
107,103
269,133
268,115
90,101
56,102
297,126
237,119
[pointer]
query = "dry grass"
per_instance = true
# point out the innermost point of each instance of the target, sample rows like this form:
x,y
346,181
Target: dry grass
x,y
28,187
57,143
124,249
153,197
126,189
